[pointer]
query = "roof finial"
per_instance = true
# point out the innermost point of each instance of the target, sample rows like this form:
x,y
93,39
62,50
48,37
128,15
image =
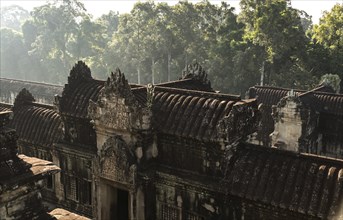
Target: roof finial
x,y
23,97
80,72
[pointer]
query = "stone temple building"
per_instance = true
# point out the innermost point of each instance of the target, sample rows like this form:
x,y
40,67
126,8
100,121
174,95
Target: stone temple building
x,y
179,150
315,119
21,180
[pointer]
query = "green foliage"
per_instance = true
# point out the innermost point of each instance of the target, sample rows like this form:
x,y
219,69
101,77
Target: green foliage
x,y
12,50
13,17
155,41
332,80
278,30
329,35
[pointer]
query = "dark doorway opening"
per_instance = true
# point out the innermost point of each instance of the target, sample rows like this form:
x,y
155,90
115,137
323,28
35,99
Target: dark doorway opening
x,y
114,203
123,205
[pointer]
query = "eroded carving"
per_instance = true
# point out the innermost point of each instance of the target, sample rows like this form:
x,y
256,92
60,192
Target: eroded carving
x,y
117,161
117,107
242,120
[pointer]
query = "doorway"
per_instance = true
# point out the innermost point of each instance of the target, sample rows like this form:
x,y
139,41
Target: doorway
x,y
123,204
114,203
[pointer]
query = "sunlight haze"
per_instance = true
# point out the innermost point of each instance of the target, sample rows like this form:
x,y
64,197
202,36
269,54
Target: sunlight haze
x,y
97,8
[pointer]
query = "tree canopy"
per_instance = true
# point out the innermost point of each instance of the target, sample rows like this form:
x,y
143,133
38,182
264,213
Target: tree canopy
x,y
268,42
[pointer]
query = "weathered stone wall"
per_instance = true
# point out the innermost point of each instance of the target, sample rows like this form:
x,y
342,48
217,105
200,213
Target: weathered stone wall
x,y
192,155
79,131
43,92
260,211
289,118
23,202
74,185
328,141
183,198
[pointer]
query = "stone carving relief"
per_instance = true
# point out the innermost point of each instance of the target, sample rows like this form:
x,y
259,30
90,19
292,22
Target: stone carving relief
x,y
117,161
117,107
73,134
150,95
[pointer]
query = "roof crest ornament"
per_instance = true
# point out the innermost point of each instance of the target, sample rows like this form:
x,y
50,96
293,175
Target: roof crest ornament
x,y
195,71
117,107
80,72
23,97
117,83
150,95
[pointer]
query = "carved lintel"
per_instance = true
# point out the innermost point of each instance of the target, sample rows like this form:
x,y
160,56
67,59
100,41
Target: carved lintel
x,y
117,161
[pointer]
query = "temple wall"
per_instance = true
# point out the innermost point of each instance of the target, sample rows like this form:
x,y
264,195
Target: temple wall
x,y
23,202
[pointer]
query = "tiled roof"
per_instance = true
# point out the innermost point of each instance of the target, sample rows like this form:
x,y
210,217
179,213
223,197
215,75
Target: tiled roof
x,y
82,87
190,113
5,107
269,95
189,83
300,183
329,103
319,98
35,123
74,101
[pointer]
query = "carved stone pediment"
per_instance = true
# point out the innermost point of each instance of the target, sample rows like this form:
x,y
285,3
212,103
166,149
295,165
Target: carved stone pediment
x,y
117,162
117,107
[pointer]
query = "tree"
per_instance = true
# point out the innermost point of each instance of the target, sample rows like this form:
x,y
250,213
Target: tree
x,y
329,34
277,28
332,80
53,27
13,17
12,53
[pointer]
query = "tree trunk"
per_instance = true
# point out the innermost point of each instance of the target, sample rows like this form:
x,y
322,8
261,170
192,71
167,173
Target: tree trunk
x,y
153,70
169,63
139,73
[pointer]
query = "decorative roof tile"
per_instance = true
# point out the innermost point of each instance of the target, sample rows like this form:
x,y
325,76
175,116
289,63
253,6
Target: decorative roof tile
x,y
296,182
189,113
34,122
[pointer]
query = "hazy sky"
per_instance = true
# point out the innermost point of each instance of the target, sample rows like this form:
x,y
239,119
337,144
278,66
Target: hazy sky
x,y
99,7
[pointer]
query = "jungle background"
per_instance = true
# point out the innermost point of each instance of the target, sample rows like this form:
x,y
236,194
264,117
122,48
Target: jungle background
x,y
155,41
